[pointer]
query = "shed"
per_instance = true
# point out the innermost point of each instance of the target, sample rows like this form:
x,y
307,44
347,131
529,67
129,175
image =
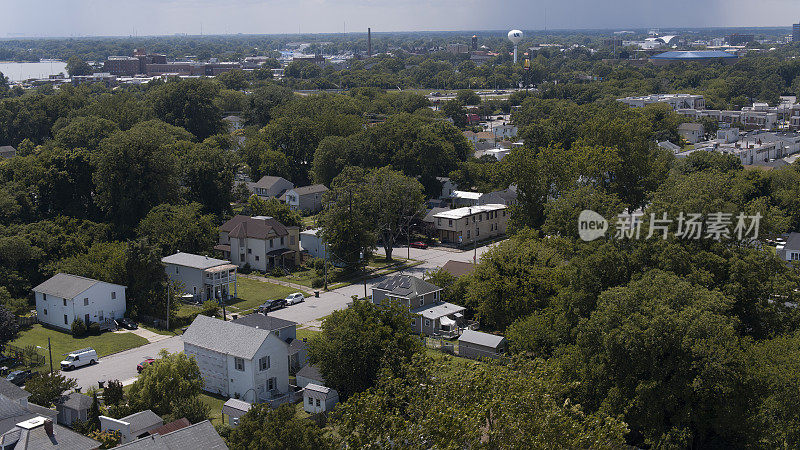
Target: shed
x,y
309,374
475,344
73,407
317,399
235,409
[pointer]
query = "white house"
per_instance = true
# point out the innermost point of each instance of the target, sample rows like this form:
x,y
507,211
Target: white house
x,y
202,277
267,186
317,399
260,242
132,427
64,298
239,361
311,242
505,131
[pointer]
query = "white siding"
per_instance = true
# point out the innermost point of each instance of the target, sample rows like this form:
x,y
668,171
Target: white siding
x,y
95,301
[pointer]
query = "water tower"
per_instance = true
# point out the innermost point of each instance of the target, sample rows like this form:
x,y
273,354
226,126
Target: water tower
x,y
515,36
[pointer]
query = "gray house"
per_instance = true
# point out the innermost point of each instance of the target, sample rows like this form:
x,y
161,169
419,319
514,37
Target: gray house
x,y
474,344
72,407
309,374
270,187
306,198
202,278
423,299
7,151
284,329
200,436
134,426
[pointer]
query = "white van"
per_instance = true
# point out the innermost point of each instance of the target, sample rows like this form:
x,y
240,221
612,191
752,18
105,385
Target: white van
x,y
78,358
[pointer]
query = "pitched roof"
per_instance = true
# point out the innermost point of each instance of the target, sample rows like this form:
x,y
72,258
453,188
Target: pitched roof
x,y
12,413
311,372
264,322
792,243
458,268
198,436
76,401
142,420
313,189
691,126
193,261
429,217
65,285
325,391
483,339
234,406
406,286
225,337
172,426
35,437
12,391
257,228
437,310
267,182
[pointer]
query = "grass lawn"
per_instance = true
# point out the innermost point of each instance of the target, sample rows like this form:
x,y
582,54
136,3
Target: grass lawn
x,y
252,293
380,261
215,402
63,343
306,333
310,221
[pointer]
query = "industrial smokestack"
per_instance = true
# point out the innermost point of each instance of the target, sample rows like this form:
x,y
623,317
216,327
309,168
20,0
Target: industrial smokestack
x,y
369,42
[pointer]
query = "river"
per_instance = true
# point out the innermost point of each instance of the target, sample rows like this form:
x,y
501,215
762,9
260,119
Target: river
x,y
19,71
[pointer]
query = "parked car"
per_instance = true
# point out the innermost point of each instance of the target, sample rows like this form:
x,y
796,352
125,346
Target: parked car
x,y
297,297
272,305
419,244
79,358
127,323
140,367
19,377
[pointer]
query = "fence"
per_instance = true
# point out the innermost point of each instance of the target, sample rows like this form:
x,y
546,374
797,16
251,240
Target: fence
x,y
27,321
26,356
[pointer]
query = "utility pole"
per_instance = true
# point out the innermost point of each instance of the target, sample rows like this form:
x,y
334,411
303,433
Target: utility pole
x,y
167,305
50,351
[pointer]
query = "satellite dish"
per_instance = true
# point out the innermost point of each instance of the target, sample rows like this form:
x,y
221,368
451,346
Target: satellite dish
x,y
515,36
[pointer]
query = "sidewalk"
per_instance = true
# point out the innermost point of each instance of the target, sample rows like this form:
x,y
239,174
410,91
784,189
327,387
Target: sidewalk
x,y
147,334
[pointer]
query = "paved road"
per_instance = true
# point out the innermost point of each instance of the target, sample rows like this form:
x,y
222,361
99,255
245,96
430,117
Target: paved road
x,y
316,308
122,366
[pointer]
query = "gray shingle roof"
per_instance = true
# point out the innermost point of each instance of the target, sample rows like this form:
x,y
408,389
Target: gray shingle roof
x,y
64,285
267,182
194,261
37,438
478,338
264,322
243,226
311,372
76,401
437,310
313,189
225,337
142,420
235,406
406,286
195,437
12,391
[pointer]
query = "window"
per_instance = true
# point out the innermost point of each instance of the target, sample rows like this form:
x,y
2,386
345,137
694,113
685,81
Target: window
x,y
427,322
113,295
317,403
477,232
271,244
439,222
86,301
44,297
239,363
467,234
65,301
263,363
241,257
249,251
177,269
271,383
65,319
310,401
291,240
281,240
194,289
256,257
450,222
45,311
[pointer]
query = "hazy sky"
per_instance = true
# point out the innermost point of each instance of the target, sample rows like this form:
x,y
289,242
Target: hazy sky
x,y
148,17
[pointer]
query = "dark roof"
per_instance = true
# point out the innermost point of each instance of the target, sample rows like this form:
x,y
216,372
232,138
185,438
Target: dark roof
x,y
37,438
311,372
692,126
244,226
12,413
693,55
142,420
64,285
296,345
482,339
264,322
194,437
406,286
792,242
313,189
12,391
458,268
267,182
172,426
429,216
7,149
225,337
76,401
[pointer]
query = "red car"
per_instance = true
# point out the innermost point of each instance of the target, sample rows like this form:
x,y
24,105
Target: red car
x,y
140,367
419,244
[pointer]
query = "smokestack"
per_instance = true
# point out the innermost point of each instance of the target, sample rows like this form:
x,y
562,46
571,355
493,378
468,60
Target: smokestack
x,y
48,427
369,42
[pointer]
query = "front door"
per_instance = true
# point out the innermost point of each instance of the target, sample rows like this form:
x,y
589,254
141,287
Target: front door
x,y
86,319
100,316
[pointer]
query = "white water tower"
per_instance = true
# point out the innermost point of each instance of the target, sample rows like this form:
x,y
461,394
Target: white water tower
x,y
515,36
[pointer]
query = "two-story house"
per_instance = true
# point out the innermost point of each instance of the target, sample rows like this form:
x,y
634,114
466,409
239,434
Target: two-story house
x,y
260,242
64,297
270,187
284,329
239,361
423,299
202,277
470,224
306,198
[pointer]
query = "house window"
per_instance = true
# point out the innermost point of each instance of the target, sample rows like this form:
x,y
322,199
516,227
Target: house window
x,y
317,403
194,289
450,222
113,295
86,301
239,363
45,311
65,301
65,319
281,240
439,222
271,383
249,251
263,363
44,297
477,231
427,322
241,257
177,269
291,240
256,257
467,234
271,244
310,401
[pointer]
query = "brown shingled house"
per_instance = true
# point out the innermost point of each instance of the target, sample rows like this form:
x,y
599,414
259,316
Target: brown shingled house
x,y
260,242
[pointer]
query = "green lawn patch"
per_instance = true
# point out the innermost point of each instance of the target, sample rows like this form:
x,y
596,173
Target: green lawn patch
x,y
306,333
253,293
63,343
215,402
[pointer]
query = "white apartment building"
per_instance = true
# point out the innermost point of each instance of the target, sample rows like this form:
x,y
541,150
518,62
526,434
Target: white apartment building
x,y
64,298
675,101
470,224
202,277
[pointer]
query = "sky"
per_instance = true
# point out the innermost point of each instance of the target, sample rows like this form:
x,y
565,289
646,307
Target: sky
x,y
163,17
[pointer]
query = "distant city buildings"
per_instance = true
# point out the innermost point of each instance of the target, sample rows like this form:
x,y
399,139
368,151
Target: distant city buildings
x,y
675,101
739,39
796,32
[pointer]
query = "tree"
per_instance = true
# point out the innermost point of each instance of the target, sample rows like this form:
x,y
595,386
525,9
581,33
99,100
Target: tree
x,y
357,342
107,439
78,328
189,104
263,427
272,207
147,282
93,417
47,388
77,66
398,200
468,97
208,176
173,228
455,111
263,101
194,409
8,325
113,394
233,79
173,379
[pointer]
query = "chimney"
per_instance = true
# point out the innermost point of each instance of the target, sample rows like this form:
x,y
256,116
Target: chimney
x,y
48,427
369,42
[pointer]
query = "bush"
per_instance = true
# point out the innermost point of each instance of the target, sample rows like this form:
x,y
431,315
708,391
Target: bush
x,y
318,264
210,308
277,272
94,328
78,328
317,283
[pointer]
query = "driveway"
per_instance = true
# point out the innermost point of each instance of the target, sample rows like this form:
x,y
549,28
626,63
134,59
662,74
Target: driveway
x,y
122,366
